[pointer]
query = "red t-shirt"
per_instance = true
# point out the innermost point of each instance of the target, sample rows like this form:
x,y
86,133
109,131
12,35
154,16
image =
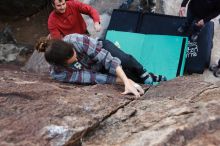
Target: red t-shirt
x,y
71,21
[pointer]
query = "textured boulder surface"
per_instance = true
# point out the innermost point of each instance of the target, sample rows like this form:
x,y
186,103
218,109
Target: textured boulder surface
x,y
35,110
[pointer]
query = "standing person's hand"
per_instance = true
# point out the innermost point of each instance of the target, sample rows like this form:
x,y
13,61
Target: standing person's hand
x,y
49,37
200,23
182,11
97,26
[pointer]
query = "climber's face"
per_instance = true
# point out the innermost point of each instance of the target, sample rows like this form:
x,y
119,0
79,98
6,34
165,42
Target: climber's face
x,y
60,6
73,58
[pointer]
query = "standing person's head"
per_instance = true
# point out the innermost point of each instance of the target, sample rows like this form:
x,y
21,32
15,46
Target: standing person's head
x,y
59,5
56,52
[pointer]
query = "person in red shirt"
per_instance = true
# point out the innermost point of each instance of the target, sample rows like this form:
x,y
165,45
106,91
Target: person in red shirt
x,y
66,18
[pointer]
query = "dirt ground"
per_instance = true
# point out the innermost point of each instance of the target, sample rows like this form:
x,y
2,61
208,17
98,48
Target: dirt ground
x,y
28,30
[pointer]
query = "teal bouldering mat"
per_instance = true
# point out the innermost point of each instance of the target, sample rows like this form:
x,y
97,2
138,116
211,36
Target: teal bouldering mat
x,y
160,54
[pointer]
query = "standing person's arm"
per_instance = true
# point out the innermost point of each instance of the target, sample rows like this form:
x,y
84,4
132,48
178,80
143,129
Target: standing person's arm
x,y
211,16
89,10
202,22
182,10
184,3
54,32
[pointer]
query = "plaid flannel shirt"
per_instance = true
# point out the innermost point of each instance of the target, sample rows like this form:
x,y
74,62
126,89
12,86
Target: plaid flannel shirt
x,y
92,59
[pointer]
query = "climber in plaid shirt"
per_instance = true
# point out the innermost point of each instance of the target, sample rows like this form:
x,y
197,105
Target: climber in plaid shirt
x,y
83,60
90,59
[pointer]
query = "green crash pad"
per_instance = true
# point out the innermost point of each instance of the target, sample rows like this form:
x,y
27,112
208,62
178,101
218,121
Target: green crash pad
x,y
160,54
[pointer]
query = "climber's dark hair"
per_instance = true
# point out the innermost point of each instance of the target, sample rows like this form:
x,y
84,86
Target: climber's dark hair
x,y
56,52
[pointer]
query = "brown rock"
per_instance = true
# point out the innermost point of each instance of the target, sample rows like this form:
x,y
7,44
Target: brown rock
x,y
190,117
39,111
35,110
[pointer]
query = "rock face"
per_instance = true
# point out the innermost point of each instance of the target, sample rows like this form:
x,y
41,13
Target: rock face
x,y
10,50
15,9
35,110
6,36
